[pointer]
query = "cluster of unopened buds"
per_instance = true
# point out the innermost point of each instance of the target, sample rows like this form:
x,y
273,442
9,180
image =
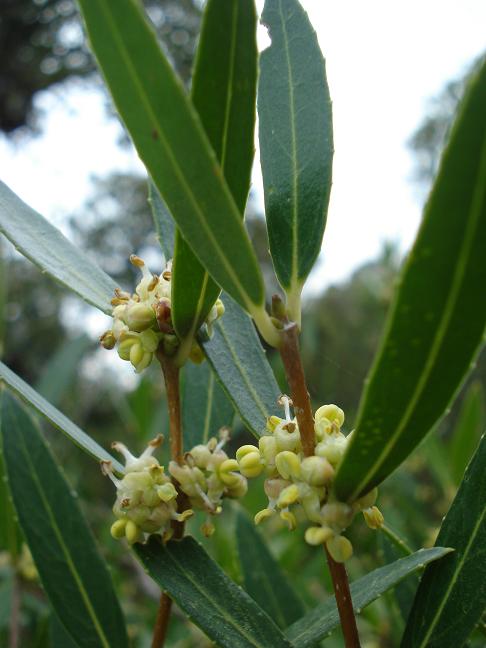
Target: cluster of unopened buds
x,y
297,483
208,476
142,321
146,500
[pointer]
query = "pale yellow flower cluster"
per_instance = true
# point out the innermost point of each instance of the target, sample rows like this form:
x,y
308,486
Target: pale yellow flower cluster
x,y
142,321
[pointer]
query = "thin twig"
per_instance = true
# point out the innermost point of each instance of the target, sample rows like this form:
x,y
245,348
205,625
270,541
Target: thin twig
x,y
396,540
343,601
294,371
172,386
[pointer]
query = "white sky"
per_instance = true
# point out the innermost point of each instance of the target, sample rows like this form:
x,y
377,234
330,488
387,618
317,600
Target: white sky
x,y
384,60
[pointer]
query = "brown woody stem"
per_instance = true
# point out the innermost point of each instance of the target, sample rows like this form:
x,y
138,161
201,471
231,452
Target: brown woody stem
x,y
172,387
294,371
343,601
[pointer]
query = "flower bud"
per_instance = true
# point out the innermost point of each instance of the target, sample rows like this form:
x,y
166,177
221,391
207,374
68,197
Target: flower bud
x,y
196,354
208,529
318,535
288,496
374,517
244,450
163,315
239,488
136,353
219,308
201,455
251,464
167,492
226,472
132,532
125,346
316,471
140,317
108,340
117,529
332,448
331,413
268,449
337,514
288,464
171,344
340,548
149,340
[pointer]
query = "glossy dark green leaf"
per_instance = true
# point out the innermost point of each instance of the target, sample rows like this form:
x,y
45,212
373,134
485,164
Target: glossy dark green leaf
x,y
263,578
71,570
171,142
10,537
318,623
238,360
470,424
438,318
296,143
59,637
163,221
223,93
61,370
45,246
70,429
207,596
452,595
205,406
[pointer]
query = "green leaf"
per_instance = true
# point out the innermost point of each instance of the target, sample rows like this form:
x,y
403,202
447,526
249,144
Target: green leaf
x,y
61,370
70,429
45,246
452,596
320,622
71,570
223,93
10,537
438,318
58,634
404,591
296,144
236,356
467,431
208,597
171,142
205,407
164,223
262,577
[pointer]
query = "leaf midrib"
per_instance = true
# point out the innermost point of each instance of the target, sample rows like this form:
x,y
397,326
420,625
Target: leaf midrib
x,y
435,347
453,580
60,539
293,157
260,404
52,251
173,160
207,595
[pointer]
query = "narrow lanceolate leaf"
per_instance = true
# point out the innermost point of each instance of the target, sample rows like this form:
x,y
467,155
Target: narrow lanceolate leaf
x,y
452,596
223,93
207,596
57,418
163,221
71,570
205,406
470,424
62,369
438,319
171,141
45,246
10,537
238,360
262,577
318,623
296,145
